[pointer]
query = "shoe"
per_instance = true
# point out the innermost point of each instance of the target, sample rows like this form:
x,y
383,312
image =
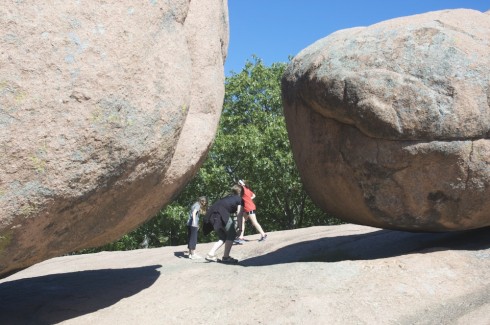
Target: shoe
x,y
228,260
194,256
239,241
263,238
211,258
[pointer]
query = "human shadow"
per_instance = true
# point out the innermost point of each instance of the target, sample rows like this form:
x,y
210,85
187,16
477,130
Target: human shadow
x,y
375,245
180,254
54,298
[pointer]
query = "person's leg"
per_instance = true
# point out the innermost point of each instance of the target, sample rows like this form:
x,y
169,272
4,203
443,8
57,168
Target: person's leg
x,y
228,246
255,223
230,236
222,237
189,233
193,240
215,247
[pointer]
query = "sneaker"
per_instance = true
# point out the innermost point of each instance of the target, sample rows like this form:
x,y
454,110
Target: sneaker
x,y
239,241
228,260
211,258
263,238
194,256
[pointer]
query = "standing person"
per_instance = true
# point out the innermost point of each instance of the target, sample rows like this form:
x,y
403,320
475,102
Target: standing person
x,y
220,220
249,208
198,208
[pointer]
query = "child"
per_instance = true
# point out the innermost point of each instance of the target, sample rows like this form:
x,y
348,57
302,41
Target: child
x,y
198,208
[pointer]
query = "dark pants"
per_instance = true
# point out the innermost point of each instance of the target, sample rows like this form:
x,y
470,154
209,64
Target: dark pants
x,y
192,237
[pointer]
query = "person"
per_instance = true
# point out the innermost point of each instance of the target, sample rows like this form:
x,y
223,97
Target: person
x,y
198,208
219,219
249,209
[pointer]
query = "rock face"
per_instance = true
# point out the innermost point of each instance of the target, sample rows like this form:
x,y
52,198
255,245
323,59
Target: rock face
x,y
98,104
347,274
390,124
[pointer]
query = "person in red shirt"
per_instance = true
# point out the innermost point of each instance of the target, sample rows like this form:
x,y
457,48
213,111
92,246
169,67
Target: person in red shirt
x,y
249,209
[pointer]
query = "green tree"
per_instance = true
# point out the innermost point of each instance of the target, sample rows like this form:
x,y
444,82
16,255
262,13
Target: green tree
x,y
252,144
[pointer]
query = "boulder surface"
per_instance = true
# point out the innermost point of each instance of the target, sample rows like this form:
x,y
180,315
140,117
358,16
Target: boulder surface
x,y
346,274
390,124
99,103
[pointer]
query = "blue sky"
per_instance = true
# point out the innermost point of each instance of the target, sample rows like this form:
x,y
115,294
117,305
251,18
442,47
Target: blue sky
x,y
276,29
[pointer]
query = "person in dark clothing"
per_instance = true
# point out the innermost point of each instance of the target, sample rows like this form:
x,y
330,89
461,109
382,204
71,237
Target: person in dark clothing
x,y
219,216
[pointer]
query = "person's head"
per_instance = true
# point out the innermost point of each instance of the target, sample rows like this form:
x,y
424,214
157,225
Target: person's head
x,y
236,189
203,202
243,182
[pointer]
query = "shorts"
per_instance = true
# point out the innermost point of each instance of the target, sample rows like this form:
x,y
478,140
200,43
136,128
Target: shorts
x,y
247,214
228,232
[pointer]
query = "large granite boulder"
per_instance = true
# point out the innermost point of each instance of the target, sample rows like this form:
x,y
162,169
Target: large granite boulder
x,y
390,124
100,102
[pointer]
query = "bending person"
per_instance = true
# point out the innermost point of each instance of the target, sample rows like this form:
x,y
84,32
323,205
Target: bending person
x,y
219,217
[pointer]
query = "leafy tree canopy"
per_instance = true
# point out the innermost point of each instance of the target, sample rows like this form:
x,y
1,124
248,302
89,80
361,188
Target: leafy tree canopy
x,y
251,144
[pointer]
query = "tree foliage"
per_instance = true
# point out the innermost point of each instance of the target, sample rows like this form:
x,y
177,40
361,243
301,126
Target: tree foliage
x,y
251,144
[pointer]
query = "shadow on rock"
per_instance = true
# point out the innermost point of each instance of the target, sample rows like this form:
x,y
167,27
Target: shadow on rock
x,y
55,298
374,245
180,254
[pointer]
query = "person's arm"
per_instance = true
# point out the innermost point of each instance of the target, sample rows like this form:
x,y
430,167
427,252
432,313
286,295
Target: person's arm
x,y
252,194
239,218
194,218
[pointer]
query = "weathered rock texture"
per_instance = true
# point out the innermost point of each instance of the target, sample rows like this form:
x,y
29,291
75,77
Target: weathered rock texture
x,y
98,104
347,274
390,124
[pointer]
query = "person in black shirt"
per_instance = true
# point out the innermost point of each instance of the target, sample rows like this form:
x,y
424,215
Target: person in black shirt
x,y
218,218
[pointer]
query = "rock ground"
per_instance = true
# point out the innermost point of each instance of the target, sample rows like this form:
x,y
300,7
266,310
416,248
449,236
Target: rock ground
x,y
345,274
